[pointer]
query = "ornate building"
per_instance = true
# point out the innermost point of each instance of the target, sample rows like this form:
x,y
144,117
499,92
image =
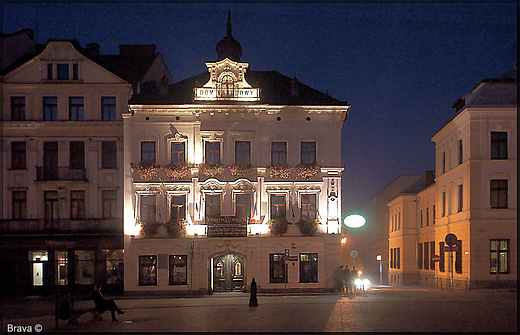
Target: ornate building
x,y
233,174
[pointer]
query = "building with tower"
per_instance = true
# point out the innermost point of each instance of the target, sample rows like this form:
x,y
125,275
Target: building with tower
x,y
232,174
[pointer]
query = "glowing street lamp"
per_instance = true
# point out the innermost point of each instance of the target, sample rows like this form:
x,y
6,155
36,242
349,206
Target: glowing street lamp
x,y
354,221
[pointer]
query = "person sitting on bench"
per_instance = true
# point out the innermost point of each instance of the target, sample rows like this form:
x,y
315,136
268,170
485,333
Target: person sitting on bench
x,y
103,304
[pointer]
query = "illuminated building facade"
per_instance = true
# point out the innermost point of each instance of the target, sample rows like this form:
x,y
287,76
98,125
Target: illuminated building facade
x,y
217,174
474,197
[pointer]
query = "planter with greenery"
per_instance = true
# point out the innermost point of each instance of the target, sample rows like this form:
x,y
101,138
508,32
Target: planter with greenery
x,y
306,171
149,228
239,170
211,170
277,226
175,227
308,227
279,171
176,172
147,171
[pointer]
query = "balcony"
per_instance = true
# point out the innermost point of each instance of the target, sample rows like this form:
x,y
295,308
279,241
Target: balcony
x,y
61,173
62,226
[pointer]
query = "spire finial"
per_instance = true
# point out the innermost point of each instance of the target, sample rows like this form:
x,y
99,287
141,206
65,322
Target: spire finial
x,y
229,22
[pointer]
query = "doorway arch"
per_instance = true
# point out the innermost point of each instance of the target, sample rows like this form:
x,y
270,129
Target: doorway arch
x,y
227,273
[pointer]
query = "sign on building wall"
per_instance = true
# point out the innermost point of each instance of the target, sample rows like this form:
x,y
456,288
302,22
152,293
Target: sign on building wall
x,y
227,226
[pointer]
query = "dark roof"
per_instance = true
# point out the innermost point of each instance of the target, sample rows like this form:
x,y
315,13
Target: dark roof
x,y
275,89
129,68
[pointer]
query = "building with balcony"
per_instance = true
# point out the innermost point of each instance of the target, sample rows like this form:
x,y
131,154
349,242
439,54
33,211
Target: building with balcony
x,y
222,172
62,147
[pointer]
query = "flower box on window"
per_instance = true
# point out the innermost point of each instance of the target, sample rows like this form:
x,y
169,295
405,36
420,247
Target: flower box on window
x,y
308,227
239,170
306,171
176,172
147,171
279,171
277,226
211,170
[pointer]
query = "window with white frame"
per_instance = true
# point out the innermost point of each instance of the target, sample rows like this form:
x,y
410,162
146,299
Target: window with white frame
x,y
148,152
178,153
243,205
212,152
308,207
147,208
278,207
499,256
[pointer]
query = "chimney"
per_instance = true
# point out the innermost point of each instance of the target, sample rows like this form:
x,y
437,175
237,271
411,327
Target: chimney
x,y
93,49
429,177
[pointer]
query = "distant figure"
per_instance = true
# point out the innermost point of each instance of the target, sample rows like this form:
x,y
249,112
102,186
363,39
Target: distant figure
x,y
346,279
353,277
103,304
253,301
337,278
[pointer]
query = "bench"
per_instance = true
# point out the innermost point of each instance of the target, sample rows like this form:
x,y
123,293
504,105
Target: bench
x,y
71,310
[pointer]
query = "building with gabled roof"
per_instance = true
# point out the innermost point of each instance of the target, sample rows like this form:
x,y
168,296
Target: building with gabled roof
x,y
220,174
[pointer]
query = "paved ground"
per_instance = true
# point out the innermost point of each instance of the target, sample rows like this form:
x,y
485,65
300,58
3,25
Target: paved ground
x,y
379,309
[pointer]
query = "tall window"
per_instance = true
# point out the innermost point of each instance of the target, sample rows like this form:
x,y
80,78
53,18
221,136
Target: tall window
x,y
498,145
109,155
277,206
461,198
50,160
441,254
308,153
178,270
433,214
308,268
213,206
109,203
62,71
421,219
444,162
277,268
458,256
420,260
50,108
50,72
461,152
432,253
242,152
148,152
18,156
76,106
148,270
19,205
77,155
498,193
77,204
443,204
427,216
243,205
278,153
212,152
51,208
398,258
17,108
308,209
75,71
426,255
499,256
108,108
147,208
178,153
178,207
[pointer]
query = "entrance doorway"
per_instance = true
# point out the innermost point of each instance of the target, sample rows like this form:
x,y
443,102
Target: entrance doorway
x,y
37,274
228,273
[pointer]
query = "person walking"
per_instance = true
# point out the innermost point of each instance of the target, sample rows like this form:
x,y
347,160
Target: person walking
x,y
253,301
353,277
346,278
103,304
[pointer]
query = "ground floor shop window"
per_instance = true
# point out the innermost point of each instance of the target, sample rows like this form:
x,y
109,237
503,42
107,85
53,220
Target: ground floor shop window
x,y
309,268
277,268
178,270
84,266
62,267
115,267
499,256
148,270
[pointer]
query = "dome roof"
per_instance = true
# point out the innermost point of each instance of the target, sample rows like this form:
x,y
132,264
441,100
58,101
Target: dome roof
x,y
228,47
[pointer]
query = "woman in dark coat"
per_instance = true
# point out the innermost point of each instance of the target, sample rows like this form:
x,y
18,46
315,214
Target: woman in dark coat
x,y
253,301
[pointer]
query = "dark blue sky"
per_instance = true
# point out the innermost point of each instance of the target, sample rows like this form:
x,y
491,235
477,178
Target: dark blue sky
x,y
400,66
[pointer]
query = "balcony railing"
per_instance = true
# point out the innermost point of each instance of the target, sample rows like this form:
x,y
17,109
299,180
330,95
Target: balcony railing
x,y
62,226
61,173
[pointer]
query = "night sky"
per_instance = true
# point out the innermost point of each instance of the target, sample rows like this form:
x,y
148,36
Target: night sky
x,y
400,66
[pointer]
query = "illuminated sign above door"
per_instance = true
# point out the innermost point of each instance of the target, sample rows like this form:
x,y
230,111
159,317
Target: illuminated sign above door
x,y
227,82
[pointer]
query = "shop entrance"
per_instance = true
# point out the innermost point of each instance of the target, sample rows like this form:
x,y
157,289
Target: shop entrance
x,y
227,273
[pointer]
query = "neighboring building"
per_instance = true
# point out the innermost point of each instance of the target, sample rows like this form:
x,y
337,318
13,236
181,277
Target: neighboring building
x,y
474,198
62,171
16,45
223,155
374,236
